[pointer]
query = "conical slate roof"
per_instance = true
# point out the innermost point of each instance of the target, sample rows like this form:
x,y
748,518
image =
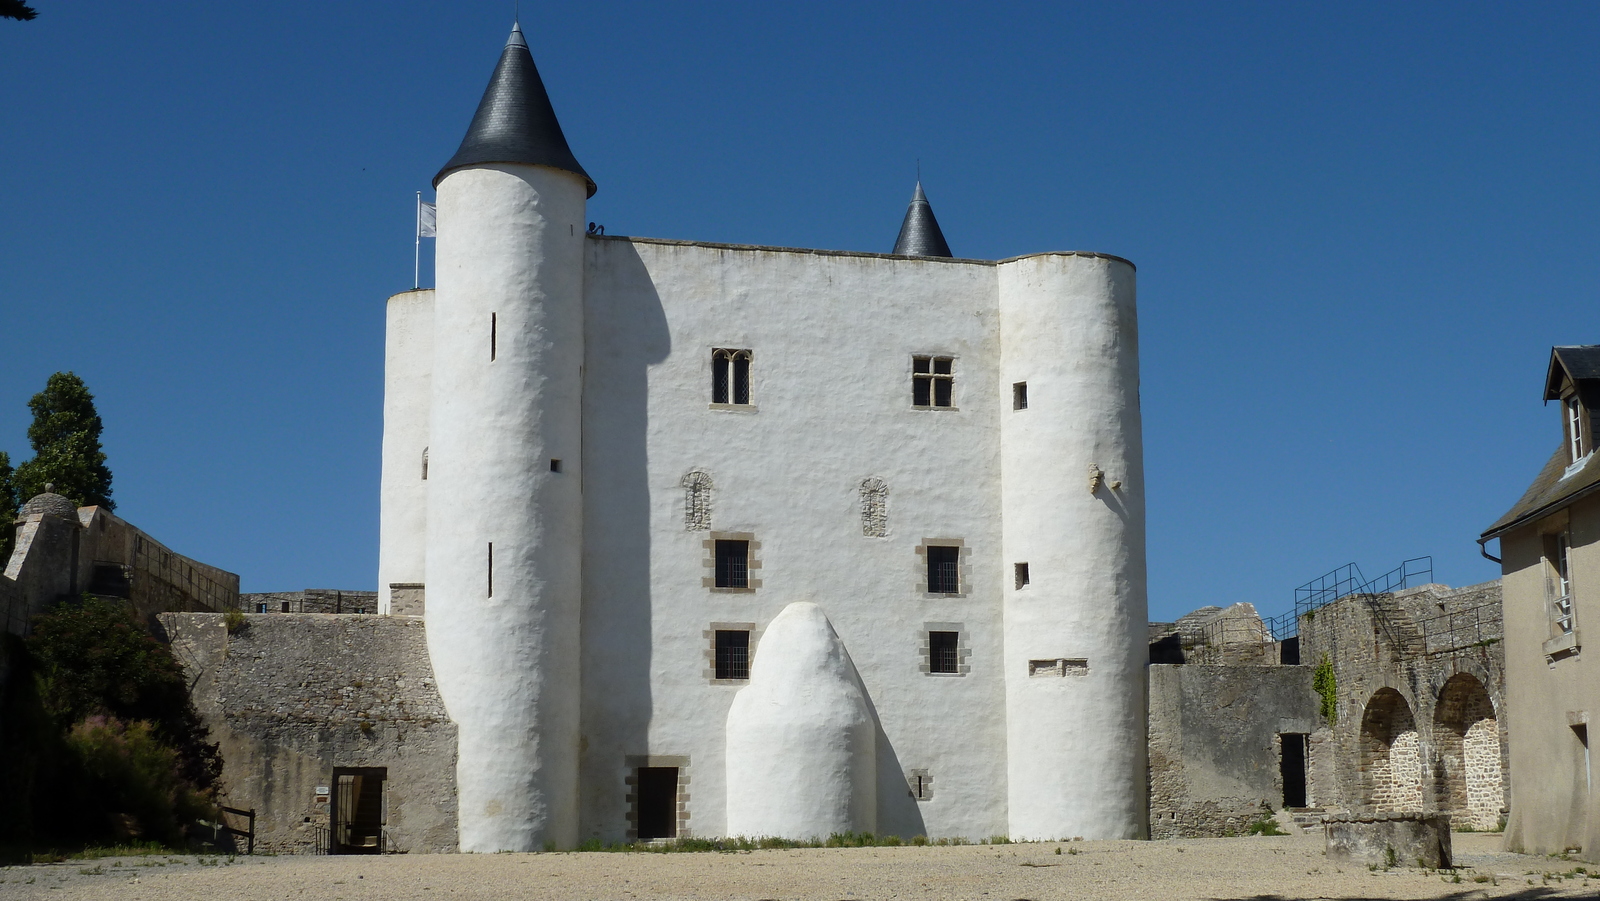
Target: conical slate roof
x,y
515,122
919,234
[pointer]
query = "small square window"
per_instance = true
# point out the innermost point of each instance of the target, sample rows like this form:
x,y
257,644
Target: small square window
x,y
1021,572
1019,396
932,381
733,564
944,569
261,608
942,656
555,465
733,654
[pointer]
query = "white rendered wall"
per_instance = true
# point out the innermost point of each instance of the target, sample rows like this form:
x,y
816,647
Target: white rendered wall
x,y
510,250
832,336
407,393
1076,742
801,740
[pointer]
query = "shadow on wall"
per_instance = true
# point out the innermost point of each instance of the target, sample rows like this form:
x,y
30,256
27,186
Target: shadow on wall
x,y
898,811
616,541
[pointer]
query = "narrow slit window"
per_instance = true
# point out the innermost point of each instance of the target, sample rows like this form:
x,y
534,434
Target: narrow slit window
x,y
733,654
491,569
942,653
1020,571
944,569
424,464
494,329
733,564
730,377
1575,436
1019,396
932,381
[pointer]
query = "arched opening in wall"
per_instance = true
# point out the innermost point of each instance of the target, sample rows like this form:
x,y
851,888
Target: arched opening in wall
x,y
1467,777
1391,754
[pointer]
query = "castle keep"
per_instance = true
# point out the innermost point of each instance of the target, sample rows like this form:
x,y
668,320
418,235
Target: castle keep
x,y
716,538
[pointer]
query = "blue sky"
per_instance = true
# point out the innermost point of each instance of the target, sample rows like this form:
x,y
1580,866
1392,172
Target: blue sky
x,y
1359,228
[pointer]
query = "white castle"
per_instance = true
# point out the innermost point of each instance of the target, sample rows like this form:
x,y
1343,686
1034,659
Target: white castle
x,y
732,540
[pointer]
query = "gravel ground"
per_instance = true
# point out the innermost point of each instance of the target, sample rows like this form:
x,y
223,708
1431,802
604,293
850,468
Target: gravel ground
x,y
1231,869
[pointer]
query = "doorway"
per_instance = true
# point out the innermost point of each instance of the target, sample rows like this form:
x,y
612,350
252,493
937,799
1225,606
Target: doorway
x,y
1292,766
658,802
358,810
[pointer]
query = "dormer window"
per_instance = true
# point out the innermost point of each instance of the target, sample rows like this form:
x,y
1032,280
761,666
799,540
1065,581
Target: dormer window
x,y
1577,435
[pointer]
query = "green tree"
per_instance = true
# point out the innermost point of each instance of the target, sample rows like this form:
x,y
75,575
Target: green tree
x,y
8,507
16,9
66,445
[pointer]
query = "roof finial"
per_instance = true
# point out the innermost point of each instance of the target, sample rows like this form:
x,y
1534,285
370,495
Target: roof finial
x,y
516,39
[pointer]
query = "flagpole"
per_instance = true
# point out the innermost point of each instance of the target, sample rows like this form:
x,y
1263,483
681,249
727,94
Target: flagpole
x,y
416,262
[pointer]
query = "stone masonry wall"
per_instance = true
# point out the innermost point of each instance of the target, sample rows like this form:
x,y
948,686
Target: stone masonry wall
x,y
292,696
311,600
1215,744
1420,721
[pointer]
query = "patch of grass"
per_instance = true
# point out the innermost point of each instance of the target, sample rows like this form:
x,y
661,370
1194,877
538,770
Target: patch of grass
x,y
96,870
1265,826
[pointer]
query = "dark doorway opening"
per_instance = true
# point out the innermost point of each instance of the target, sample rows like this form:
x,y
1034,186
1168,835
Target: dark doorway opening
x,y
1293,767
1289,651
358,815
658,802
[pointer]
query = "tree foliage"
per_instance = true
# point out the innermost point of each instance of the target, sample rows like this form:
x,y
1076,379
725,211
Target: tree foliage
x,y
16,9
65,435
8,507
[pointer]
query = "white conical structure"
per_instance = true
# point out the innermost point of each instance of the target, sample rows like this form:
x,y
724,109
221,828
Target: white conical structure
x,y
801,738
504,523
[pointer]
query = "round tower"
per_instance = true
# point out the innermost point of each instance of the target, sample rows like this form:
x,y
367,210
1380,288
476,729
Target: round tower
x,y
1072,493
504,520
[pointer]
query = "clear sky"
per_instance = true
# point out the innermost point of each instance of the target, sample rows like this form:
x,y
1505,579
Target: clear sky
x,y
1359,229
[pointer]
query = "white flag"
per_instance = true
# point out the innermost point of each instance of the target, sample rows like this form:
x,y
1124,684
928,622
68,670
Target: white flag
x,y
427,220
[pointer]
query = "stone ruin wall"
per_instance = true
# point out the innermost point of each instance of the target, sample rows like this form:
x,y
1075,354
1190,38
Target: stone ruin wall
x,y
1420,677
292,696
311,600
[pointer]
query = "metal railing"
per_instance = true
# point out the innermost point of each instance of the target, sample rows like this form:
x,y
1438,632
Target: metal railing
x,y
1344,582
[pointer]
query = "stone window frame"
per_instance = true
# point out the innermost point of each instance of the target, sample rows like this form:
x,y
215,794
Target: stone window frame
x,y
963,649
919,784
752,563
965,558
730,355
633,763
710,652
933,377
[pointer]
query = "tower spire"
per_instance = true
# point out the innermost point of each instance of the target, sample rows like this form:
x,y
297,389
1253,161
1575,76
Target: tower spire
x,y
515,122
919,233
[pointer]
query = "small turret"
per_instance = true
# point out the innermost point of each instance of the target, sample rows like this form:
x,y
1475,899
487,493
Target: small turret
x,y
919,233
515,122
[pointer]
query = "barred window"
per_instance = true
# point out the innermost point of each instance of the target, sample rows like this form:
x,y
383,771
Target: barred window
x,y
932,381
942,656
733,564
733,654
944,569
730,376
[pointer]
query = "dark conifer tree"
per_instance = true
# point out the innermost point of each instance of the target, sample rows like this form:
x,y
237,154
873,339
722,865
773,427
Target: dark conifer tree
x,y
66,446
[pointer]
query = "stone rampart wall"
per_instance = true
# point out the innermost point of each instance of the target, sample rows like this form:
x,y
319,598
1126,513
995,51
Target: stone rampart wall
x,y
1215,744
292,697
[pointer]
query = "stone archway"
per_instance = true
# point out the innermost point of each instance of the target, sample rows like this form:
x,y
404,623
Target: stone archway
x,y
1467,780
1391,754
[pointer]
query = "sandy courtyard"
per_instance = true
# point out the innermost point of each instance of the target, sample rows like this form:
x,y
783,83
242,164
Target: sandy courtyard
x,y
1237,868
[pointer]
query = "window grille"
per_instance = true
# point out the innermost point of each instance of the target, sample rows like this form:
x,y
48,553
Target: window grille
x,y
733,564
730,376
733,654
932,381
942,655
944,569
